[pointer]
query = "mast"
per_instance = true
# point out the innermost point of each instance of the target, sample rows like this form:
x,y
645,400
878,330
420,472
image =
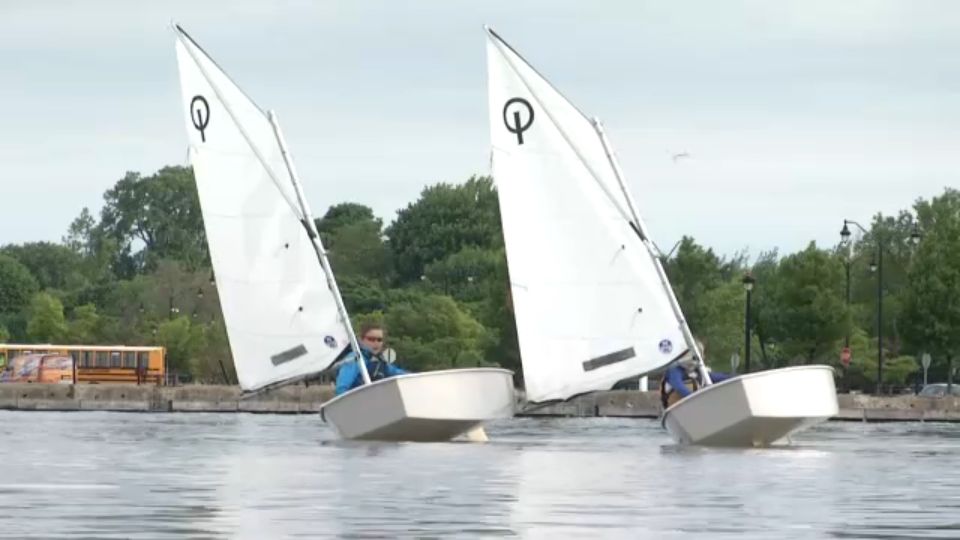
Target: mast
x,y
311,228
645,239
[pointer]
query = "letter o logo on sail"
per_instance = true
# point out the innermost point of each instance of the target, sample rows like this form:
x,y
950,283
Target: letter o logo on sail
x,y
666,347
200,115
330,341
518,126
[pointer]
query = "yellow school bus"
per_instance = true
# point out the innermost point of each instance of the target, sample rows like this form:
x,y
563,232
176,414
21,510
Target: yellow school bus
x,y
97,364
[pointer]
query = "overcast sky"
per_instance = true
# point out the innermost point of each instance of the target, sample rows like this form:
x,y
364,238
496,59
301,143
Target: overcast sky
x,y
796,115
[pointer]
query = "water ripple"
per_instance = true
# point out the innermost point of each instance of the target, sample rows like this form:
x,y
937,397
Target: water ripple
x,y
120,475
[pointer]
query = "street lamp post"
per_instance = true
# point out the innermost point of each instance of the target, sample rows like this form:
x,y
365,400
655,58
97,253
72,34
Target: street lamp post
x,y
878,268
846,339
876,265
845,354
748,282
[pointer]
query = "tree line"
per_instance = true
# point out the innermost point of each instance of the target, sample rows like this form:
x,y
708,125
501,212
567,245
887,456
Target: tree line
x,y
139,273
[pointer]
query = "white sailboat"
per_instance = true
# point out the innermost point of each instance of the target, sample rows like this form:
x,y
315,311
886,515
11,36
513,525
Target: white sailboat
x,y
283,312
592,302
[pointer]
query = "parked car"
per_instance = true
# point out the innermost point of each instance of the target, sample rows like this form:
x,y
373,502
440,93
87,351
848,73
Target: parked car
x,y
939,390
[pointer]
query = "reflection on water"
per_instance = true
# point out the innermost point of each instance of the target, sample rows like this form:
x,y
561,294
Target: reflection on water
x,y
118,475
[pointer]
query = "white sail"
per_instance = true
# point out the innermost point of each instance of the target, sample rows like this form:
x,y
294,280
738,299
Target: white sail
x,y
590,306
280,314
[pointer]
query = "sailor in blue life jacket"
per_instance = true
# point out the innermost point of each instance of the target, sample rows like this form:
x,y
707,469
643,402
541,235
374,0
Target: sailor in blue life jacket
x,y
371,346
683,378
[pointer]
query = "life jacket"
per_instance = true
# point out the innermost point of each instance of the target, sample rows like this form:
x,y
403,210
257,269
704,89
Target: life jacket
x,y
669,396
376,365
379,370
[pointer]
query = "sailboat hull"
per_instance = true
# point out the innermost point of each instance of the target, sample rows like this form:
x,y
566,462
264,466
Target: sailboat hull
x,y
754,410
422,407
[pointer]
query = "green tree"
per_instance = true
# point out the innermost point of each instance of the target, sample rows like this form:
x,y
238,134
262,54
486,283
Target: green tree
x,y
353,237
893,233
17,286
183,341
340,215
52,265
430,331
84,325
80,235
213,363
361,294
932,306
495,310
763,309
46,323
811,315
862,372
444,220
464,274
692,272
358,251
161,212
172,289
93,278
97,251
722,328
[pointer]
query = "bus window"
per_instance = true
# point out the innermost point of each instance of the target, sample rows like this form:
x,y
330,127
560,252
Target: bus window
x,y
129,359
102,360
115,359
87,359
75,355
143,359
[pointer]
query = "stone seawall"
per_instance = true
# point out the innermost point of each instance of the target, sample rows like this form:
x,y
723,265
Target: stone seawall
x,y
191,398
301,399
853,407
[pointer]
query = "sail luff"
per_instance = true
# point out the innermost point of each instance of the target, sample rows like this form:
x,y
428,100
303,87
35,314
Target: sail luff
x,y
318,245
618,174
645,239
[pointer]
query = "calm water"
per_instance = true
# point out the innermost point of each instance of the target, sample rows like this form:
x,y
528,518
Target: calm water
x,y
119,475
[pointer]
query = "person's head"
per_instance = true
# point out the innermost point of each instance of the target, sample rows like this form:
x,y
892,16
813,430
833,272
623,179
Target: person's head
x,y
372,336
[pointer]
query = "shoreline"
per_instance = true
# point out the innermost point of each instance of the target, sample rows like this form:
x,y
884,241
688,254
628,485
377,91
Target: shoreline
x,y
307,399
852,407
